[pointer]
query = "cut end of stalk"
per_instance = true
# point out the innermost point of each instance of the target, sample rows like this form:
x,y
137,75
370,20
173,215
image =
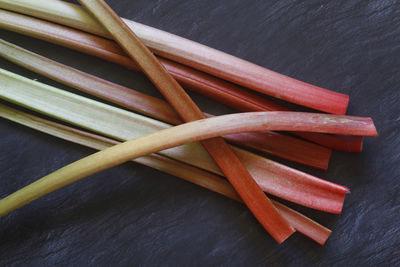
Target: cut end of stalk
x,y
283,238
361,145
352,143
339,209
304,225
342,110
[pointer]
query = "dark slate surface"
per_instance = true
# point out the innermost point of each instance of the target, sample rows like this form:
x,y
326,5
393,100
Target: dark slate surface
x,y
133,215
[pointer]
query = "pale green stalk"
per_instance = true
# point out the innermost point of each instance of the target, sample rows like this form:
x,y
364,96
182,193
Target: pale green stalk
x,y
118,154
122,125
156,161
194,175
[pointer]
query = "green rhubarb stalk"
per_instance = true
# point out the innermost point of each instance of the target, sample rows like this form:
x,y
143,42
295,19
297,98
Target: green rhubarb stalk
x,y
213,182
120,153
185,171
269,142
118,124
167,138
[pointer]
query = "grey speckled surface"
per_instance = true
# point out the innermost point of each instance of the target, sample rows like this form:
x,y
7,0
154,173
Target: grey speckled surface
x,y
133,215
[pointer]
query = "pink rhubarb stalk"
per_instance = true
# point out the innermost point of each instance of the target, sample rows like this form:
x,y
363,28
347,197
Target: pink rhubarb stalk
x,y
210,86
203,58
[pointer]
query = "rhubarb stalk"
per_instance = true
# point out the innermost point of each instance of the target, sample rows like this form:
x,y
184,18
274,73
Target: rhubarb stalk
x,y
215,183
251,194
190,53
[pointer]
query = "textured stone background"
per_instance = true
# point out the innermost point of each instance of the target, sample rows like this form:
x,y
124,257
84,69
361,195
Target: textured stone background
x,y
135,215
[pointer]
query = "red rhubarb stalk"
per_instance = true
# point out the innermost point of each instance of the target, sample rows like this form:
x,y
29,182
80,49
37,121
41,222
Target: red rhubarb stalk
x,y
269,142
346,143
304,225
285,147
219,90
251,194
201,57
